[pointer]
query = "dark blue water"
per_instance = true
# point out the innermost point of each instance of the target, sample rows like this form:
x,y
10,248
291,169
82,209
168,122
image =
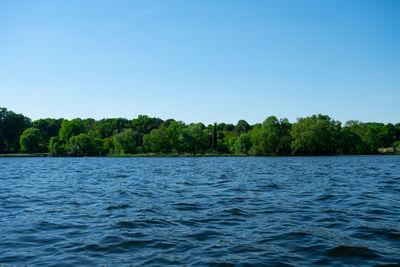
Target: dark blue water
x,y
200,211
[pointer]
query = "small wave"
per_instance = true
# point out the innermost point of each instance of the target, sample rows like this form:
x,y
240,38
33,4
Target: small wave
x,y
325,197
127,224
117,247
273,186
122,206
352,252
117,176
370,232
185,206
48,226
143,223
161,261
236,212
292,235
203,235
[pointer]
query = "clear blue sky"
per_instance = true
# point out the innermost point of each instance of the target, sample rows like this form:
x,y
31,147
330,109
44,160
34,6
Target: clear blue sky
x,y
201,61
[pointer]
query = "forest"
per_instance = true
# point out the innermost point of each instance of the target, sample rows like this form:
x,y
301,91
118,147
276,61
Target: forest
x,y
314,135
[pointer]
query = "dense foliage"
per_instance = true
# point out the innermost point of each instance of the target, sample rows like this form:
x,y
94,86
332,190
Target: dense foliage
x,y
315,135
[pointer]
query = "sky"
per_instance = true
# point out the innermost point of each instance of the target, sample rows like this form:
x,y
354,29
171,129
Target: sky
x,y
201,61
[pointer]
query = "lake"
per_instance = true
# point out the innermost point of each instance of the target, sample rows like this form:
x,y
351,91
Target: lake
x,y
271,211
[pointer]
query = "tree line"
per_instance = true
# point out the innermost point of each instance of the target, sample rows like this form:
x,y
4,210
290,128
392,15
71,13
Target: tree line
x,y
314,135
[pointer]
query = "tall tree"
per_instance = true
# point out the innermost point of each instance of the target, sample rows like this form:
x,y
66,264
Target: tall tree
x,y
157,140
214,137
30,140
195,139
242,127
48,128
242,144
387,135
12,125
271,136
84,144
126,141
70,128
316,135
174,132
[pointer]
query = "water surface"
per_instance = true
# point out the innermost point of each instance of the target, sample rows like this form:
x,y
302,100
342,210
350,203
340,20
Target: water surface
x,y
292,211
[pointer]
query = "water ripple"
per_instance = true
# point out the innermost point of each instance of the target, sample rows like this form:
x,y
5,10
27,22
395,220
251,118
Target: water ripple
x,y
200,211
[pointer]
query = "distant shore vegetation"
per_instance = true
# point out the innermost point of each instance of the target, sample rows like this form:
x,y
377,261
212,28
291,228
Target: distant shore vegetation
x,y
314,135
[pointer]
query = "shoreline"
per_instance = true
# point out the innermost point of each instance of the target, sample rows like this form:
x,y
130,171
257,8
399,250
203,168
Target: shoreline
x,y
24,155
184,156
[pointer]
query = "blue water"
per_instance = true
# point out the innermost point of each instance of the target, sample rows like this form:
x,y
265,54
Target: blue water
x,y
294,211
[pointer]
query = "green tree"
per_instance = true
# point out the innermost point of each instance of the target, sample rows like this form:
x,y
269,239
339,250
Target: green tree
x,y
349,141
242,144
174,132
56,148
225,127
315,135
84,144
106,127
285,139
256,139
214,140
366,138
12,125
353,138
371,138
29,140
157,141
397,131
396,146
387,135
242,127
108,144
48,128
144,124
88,125
70,128
270,136
195,139
126,141
227,141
